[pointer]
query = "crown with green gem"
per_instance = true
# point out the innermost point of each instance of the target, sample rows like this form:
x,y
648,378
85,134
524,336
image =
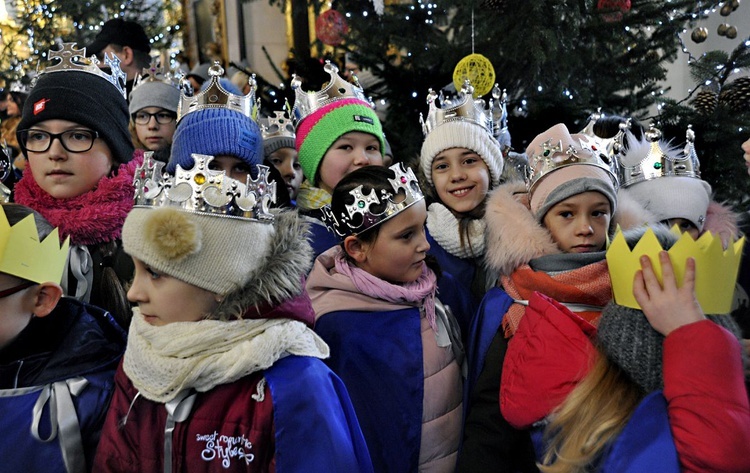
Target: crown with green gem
x,y
361,215
661,160
156,73
71,59
202,190
337,89
463,108
279,125
216,96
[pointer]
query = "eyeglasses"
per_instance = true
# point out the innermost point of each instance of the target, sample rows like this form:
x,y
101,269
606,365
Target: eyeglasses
x,y
74,141
162,118
15,289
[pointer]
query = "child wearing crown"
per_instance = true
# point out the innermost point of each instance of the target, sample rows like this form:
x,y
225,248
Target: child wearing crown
x,y
280,152
461,161
394,344
153,109
74,133
665,389
57,355
223,129
337,132
222,370
546,236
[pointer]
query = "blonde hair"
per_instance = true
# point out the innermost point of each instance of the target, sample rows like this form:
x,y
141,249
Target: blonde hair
x,y
134,136
592,415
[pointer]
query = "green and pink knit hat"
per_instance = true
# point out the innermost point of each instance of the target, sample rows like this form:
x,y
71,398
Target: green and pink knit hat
x,y
319,130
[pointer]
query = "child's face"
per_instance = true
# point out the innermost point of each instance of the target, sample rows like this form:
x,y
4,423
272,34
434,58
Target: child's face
x,y
163,299
64,174
154,127
398,252
685,226
351,151
15,309
461,179
287,163
233,167
579,224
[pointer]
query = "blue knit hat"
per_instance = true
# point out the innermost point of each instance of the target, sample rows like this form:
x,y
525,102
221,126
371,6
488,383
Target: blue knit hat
x,y
216,131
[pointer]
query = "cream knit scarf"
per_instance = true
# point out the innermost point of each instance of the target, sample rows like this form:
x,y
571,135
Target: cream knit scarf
x,y
443,227
162,361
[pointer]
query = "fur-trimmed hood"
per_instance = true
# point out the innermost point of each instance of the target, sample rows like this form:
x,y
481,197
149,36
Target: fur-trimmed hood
x,y
281,275
514,237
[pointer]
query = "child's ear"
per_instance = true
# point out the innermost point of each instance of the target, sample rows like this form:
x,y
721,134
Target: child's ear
x,y
47,296
355,248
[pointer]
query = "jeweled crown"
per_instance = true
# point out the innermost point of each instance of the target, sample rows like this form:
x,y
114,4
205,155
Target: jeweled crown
x,y
499,112
71,59
216,96
613,146
552,156
463,108
337,89
360,214
659,159
203,190
156,73
279,125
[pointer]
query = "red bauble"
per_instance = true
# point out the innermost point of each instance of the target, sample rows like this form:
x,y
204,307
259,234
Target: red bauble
x,y
331,27
612,10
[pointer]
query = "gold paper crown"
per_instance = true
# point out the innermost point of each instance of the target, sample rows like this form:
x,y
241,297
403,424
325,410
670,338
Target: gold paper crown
x,y
716,268
359,215
157,73
216,96
551,157
336,89
660,160
202,190
22,254
279,125
72,59
464,108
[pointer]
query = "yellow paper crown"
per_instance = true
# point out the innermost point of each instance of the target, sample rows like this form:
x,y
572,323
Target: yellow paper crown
x,y
716,268
24,256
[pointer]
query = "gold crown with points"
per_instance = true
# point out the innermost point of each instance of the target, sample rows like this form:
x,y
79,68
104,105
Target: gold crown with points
x,y
337,89
464,108
216,96
716,268
24,256
71,59
661,160
202,190
156,73
279,125
360,216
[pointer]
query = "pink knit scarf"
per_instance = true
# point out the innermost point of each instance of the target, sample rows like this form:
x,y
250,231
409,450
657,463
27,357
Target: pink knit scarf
x,y
94,217
421,290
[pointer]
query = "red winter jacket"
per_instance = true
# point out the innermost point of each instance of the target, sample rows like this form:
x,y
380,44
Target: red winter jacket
x,y
704,386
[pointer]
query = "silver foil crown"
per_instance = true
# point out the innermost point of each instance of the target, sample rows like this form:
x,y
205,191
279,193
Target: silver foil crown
x,y
464,108
279,125
202,190
661,160
71,59
360,215
216,96
337,88
156,73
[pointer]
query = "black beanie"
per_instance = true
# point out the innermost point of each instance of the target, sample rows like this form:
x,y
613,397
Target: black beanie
x,y
84,98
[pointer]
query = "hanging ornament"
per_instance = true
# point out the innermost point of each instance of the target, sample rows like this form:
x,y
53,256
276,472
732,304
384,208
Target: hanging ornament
x,y
731,32
331,27
613,10
699,35
722,29
735,4
736,94
478,69
705,102
726,9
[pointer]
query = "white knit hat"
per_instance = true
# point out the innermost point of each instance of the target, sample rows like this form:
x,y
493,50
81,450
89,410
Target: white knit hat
x,y
462,134
214,252
674,197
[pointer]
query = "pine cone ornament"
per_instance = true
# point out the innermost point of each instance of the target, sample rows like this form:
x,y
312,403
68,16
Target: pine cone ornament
x,y
736,95
705,102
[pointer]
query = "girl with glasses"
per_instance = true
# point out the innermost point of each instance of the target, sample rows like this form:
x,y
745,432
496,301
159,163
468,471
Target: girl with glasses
x,y
153,112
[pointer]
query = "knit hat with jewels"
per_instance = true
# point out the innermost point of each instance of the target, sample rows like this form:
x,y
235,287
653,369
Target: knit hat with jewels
x,y
84,98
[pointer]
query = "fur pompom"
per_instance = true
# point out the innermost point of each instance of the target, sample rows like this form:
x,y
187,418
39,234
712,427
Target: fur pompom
x,y
172,233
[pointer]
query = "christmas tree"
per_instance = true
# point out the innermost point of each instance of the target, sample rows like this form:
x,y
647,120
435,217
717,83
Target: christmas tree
x,y
560,60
